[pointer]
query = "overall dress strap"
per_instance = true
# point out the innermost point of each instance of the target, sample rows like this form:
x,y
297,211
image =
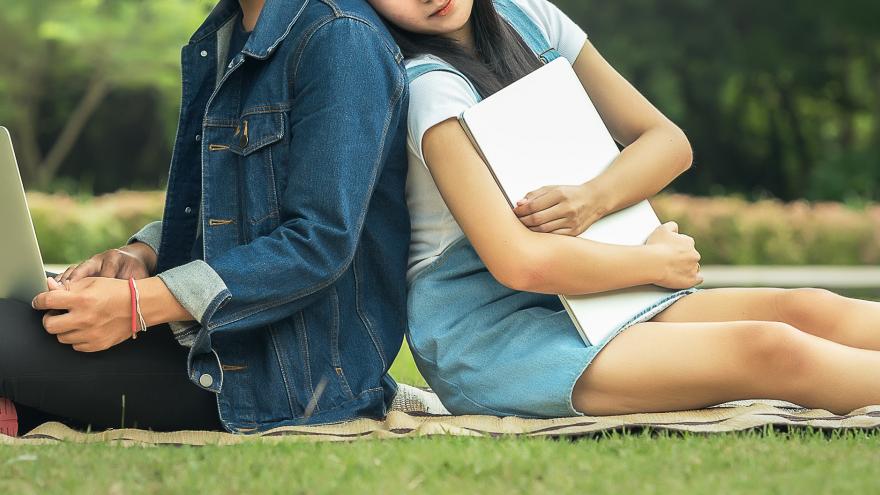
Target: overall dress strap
x,y
521,22
528,29
416,71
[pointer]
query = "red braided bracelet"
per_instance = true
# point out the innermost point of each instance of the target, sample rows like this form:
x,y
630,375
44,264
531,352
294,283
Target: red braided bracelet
x,y
134,328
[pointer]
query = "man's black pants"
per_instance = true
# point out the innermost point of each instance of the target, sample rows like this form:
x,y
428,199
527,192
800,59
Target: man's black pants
x,y
140,383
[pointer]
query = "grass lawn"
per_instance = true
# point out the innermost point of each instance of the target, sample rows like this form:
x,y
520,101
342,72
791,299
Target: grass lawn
x,y
749,463
764,461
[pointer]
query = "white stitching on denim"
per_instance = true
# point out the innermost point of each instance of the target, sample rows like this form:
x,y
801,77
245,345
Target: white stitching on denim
x,y
287,388
363,316
272,47
336,356
304,348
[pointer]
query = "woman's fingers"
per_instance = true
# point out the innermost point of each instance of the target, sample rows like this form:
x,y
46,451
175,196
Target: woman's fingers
x,y
552,214
553,226
539,202
534,194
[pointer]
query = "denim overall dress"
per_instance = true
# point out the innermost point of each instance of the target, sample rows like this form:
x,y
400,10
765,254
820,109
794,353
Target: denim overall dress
x,y
485,348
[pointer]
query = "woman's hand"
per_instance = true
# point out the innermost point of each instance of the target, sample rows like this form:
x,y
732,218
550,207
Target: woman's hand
x,y
564,210
97,317
680,259
136,260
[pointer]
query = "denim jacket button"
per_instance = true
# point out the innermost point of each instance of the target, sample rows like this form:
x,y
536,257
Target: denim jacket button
x,y
198,138
204,53
188,210
206,380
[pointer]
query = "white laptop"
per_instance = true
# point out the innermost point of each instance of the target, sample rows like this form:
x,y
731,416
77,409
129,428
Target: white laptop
x,y
22,275
544,130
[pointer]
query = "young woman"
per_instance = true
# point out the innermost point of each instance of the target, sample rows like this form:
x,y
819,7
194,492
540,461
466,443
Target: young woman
x,y
487,331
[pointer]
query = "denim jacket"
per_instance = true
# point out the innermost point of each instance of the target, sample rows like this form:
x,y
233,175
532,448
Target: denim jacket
x,y
299,176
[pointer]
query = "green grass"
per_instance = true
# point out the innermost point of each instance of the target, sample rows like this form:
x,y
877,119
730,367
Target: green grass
x,y
765,461
404,369
753,462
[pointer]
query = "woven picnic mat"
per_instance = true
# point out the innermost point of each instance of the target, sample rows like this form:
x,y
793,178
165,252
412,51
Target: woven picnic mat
x,y
733,416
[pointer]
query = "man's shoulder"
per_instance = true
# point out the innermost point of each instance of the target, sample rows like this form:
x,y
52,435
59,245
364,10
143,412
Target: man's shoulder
x,y
358,9
341,29
323,12
331,15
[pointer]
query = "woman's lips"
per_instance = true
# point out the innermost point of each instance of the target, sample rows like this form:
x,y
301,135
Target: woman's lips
x,y
444,11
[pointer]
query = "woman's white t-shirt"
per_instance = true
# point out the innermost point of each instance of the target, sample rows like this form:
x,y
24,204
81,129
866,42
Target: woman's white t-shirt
x,y
439,96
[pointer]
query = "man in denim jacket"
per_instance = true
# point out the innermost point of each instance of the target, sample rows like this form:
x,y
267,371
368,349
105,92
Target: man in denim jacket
x,y
281,257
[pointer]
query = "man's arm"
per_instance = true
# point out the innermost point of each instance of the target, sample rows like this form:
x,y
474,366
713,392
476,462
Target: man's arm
x,y
349,93
151,235
147,239
137,258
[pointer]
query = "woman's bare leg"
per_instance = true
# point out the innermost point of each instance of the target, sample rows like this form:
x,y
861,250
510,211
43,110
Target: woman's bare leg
x,y
847,321
653,367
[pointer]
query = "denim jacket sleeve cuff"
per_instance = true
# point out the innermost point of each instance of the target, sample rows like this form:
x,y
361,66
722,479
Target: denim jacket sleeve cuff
x,y
185,331
150,235
198,288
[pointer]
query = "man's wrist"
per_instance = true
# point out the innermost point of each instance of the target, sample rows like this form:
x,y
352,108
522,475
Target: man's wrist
x,y
158,303
143,252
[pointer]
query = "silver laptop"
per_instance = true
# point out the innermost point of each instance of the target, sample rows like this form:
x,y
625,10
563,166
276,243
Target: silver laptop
x,y
22,275
544,130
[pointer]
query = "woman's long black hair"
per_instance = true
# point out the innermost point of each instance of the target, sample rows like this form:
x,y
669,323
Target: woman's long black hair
x,y
502,55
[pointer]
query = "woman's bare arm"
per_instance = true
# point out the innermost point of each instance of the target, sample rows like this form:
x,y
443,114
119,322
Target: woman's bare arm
x,y
656,150
531,261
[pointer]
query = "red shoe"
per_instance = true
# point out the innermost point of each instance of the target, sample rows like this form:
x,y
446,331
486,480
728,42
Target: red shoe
x,y
8,418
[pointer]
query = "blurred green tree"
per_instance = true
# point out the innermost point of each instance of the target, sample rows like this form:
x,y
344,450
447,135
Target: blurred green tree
x,y
777,97
94,46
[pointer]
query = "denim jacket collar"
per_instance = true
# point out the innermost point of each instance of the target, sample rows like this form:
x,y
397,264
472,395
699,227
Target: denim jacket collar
x,y
274,25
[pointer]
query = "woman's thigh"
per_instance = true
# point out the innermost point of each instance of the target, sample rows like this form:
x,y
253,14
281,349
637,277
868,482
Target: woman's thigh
x,y
140,382
720,305
653,367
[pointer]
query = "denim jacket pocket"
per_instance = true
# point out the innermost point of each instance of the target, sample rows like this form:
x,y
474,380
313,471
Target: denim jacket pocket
x,y
258,139
257,130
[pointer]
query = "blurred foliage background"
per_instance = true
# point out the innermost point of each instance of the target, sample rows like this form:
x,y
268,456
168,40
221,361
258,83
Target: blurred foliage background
x,y
90,89
778,98
781,101
729,231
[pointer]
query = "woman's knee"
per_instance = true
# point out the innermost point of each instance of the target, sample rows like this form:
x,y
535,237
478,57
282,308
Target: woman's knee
x,y
795,305
774,349
724,361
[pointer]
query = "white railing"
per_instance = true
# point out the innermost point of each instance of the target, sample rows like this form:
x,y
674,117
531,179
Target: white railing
x,y
829,277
